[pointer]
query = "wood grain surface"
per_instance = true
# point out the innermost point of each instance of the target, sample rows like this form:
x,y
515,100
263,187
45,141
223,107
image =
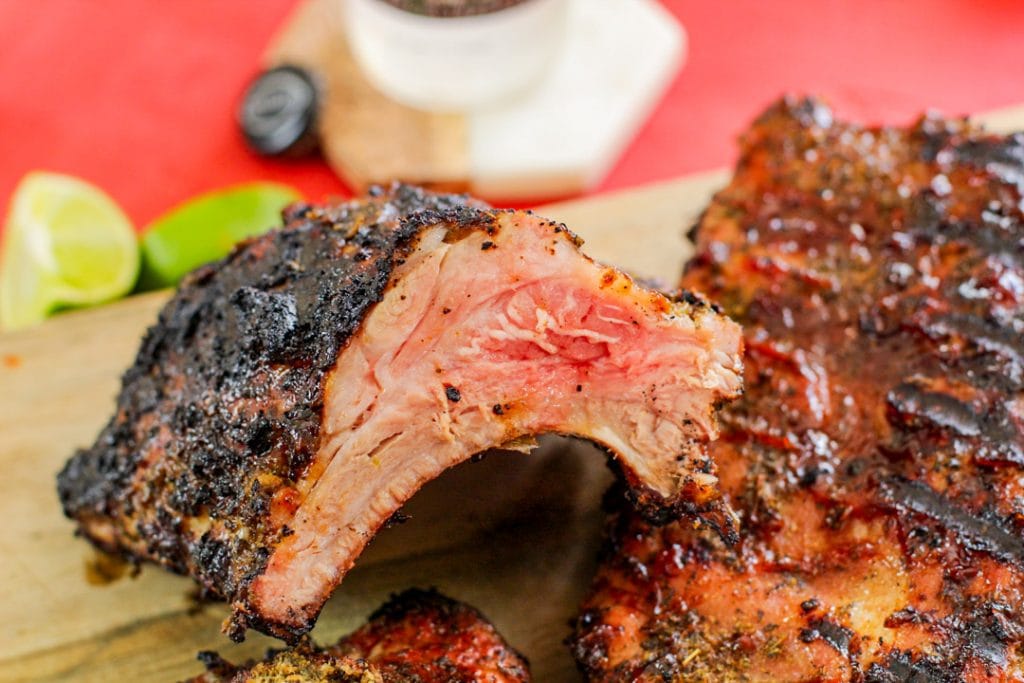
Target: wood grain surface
x,y
514,535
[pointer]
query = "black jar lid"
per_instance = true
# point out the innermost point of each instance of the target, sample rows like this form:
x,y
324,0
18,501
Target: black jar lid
x,y
278,113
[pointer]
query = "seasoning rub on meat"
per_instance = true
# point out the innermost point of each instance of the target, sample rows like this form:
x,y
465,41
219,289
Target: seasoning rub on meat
x,y
417,636
876,458
294,395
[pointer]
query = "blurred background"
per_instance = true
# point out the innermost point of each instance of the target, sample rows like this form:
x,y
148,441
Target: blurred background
x,y
132,110
139,97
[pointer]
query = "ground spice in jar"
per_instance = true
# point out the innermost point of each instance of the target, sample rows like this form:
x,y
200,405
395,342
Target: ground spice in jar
x,y
453,8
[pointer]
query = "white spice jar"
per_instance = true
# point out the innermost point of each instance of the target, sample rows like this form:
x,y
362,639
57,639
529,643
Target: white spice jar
x,y
455,63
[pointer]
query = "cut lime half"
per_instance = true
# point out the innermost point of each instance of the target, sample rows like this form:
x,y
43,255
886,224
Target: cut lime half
x,y
205,229
66,244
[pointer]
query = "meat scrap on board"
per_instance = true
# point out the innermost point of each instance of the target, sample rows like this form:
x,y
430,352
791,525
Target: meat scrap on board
x,y
418,635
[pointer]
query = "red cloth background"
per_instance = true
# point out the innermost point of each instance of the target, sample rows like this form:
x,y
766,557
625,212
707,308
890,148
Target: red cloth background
x,y
139,96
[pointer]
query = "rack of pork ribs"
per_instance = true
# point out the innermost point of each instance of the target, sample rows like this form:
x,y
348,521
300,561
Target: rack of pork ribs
x,y
875,459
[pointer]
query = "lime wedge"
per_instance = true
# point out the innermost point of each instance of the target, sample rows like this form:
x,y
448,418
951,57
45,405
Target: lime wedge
x,y
205,229
66,244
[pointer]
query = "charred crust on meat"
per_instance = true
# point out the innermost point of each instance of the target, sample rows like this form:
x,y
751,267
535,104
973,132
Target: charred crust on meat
x,y
878,273
809,605
217,665
904,667
241,620
235,365
657,510
397,519
834,634
974,532
401,605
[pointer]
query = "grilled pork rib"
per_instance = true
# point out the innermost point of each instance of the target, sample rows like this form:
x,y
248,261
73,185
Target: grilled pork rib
x,y
876,457
293,396
417,636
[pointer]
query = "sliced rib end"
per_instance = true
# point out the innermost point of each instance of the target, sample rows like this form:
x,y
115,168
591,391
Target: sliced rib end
x,y
487,334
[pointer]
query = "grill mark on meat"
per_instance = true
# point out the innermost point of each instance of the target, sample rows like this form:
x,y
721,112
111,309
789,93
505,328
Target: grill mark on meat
x,y
979,333
902,668
293,396
912,405
900,508
832,633
973,531
993,435
1005,443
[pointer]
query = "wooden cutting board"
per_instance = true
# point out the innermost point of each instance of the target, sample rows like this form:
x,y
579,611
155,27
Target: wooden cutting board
x,y
520,543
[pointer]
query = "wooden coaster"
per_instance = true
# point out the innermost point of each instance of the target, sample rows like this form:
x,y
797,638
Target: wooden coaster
x,y
367,137
560,138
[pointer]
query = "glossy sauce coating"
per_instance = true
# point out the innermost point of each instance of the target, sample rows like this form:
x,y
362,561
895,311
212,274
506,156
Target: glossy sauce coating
x,y
875,460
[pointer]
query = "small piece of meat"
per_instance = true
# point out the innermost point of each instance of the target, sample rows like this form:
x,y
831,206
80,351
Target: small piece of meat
x,y
303,664
876,457
424,636
294,395
419,636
